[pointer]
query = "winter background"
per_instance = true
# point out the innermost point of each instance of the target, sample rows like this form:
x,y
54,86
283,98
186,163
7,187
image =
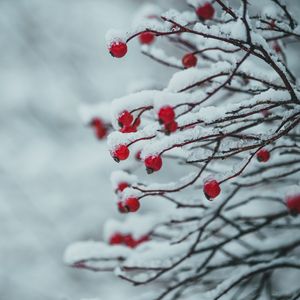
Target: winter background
x,y
54,175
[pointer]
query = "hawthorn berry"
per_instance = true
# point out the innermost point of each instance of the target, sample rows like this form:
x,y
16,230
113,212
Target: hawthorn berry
x,y
153,163
293,204
263,155
125,119
128,129
265,112
211,189
122,186
99,128
166,114
122,209
171,127
272,24
116,239
118,49
146,38
206,11
277,48
132,204
129,241
189,60
121,152
138,155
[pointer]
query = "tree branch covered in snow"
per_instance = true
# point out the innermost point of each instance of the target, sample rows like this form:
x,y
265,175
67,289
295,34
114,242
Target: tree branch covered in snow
x,y
221,147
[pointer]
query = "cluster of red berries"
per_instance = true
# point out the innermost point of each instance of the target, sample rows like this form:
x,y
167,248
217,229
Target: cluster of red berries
x,y
206,11
130,204
211,189
99,128
189,60
119,49
166,116
127,240
127,123
263,155
153,163
293,204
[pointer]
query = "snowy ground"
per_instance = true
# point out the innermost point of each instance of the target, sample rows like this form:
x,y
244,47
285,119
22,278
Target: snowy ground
x,y
54,176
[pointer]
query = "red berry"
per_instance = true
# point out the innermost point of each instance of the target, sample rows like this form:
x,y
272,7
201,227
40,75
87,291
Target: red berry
x,y
129,241
122,186
138,155
171,127
272,24
146,37
293,204
277,48
132,204
189,60
263,155
118,49
211,189
265,112
99,128
206,11
166,114
122,209
116,239
96,122
100,132
153,163
125,119
128,129
121,152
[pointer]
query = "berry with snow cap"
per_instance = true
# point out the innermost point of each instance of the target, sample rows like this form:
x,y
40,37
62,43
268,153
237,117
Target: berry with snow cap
x,y
153,163
132,204
122,186
125,119
121,152
116,239
118,49
166,114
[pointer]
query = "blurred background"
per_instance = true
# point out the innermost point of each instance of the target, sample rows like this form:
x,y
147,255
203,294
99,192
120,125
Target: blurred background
x,y
54,175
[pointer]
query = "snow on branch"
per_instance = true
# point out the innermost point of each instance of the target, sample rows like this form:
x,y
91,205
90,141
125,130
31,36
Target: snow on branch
x,y
219,152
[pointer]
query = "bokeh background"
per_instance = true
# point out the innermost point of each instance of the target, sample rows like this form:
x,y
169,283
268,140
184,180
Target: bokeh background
x,y
54,175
